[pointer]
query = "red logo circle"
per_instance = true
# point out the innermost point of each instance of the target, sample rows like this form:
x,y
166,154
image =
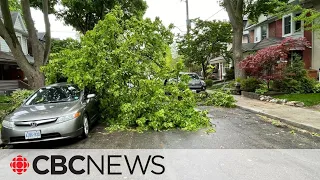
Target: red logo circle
x,y
19,164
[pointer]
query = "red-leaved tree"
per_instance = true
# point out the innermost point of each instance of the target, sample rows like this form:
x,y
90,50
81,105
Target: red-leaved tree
x,y
268,63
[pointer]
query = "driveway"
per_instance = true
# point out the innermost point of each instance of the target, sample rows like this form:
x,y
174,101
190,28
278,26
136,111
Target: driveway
x,y
236,129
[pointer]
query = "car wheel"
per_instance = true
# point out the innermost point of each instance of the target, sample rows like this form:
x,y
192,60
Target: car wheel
x,y
85,132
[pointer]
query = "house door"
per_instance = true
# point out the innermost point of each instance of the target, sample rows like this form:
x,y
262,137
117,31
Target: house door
x,y
11,72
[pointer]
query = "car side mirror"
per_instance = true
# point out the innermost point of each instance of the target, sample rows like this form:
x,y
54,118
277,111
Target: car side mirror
x,y
202,78
90,96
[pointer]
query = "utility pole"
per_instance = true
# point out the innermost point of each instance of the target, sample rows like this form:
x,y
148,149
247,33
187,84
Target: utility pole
x,y
188,20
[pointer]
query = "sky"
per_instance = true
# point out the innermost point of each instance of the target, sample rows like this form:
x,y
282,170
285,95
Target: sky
x,y
169,11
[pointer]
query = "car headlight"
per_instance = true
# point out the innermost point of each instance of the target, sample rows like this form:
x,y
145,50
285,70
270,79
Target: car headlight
x,y
7,124
68,117
203,83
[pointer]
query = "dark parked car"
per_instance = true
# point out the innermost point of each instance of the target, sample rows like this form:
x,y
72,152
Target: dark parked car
x,y
58,111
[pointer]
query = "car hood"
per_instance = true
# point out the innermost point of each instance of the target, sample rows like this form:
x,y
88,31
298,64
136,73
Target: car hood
x,y
44,111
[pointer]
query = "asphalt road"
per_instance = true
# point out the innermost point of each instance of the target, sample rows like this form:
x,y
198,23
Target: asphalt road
x,y
235,129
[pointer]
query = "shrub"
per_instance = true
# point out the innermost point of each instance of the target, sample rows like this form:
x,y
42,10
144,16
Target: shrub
x,y
296,79
16,100
18,97
262,90
250,84
230,74
266,64
316,88
5,99
209,82
231,84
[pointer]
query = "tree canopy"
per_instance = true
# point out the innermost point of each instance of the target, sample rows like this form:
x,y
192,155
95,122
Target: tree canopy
x,y
83,15
207,39
124,62
58,45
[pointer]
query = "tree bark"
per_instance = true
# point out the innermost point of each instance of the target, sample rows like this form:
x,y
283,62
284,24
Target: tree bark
x,y
40,52
235,13
237,52
48,31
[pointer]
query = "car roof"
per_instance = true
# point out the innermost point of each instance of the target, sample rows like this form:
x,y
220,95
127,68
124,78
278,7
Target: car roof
x,y
59,84
188,73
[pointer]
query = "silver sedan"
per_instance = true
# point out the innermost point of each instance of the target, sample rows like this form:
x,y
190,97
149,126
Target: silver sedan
x,y
58,111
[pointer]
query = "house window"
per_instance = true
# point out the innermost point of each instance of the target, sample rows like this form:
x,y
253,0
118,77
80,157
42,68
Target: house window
x,y
263,31
287,25
297,27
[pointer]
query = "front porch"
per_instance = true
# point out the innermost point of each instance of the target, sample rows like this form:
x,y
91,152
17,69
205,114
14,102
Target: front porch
x,y
220,69
11,76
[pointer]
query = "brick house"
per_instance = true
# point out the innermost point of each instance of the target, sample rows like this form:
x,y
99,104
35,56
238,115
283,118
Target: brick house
x,y
272,30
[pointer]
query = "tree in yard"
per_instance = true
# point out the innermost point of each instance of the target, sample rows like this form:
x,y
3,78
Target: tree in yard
x,y
83,15
236,10
269,63
58,45
206,39
124,62
40,51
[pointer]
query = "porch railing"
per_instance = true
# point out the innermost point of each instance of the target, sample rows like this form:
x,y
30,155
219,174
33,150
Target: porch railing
x,y
9,85
23,85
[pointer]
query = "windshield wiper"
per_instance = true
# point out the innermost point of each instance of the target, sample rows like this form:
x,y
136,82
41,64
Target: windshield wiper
x,y
58,101
42,102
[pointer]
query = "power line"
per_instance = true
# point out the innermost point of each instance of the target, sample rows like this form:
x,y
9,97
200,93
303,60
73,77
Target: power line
x,y
214,14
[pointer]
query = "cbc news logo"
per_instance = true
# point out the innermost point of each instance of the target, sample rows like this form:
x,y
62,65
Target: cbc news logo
x,y
19,164
104,164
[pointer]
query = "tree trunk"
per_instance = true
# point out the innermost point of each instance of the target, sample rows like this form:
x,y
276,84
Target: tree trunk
x,y
235,13
237,52
35,79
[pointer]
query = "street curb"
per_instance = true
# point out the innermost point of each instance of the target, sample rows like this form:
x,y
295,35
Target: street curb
x,y
286,121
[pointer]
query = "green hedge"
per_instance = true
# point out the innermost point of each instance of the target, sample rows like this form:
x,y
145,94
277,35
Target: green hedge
x,y
209,82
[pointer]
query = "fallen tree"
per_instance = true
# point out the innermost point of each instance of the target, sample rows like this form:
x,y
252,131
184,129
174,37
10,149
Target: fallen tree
x,y
124,61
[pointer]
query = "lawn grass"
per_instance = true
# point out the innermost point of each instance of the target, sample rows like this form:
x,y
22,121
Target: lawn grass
x,y
307,99
218,86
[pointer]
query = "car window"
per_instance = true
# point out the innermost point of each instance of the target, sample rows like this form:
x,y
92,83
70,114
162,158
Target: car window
x,y
54,95
193,76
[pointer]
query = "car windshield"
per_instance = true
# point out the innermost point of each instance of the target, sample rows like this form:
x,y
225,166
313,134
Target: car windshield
x,y
193,76
57,94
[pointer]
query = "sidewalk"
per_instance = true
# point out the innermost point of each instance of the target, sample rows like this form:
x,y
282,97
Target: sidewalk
x,y
299,117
